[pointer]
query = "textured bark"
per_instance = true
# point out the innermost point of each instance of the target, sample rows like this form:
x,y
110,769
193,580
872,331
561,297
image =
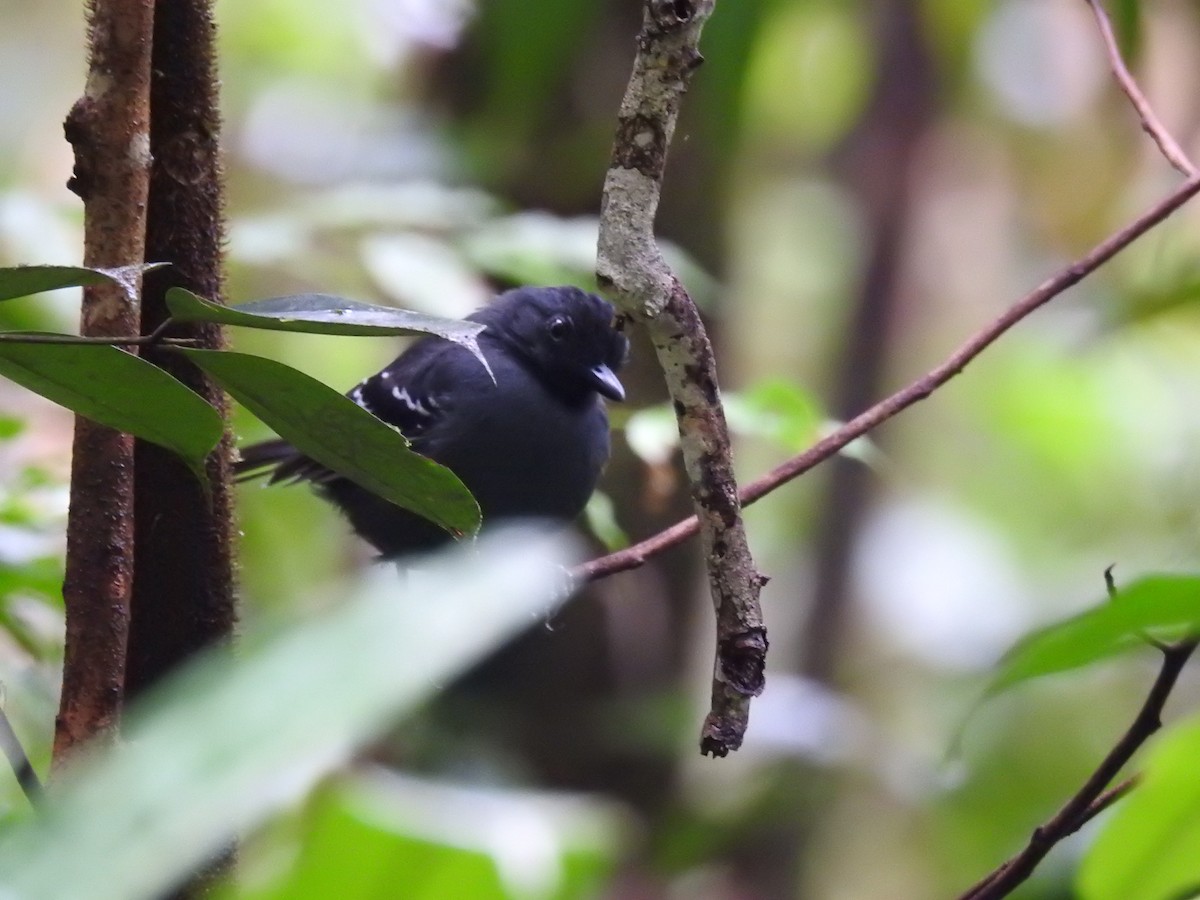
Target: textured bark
x,y
631,266
108,128
183,591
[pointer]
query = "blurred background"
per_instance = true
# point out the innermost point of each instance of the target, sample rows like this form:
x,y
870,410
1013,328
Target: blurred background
x,y
855,187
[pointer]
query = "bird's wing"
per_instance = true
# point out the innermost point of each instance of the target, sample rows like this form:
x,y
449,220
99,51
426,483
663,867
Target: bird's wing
x,y
413,395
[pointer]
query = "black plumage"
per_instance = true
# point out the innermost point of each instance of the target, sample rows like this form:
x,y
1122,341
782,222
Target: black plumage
x,y
529,439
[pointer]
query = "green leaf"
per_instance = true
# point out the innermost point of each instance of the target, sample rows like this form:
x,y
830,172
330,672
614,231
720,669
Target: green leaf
x,y
22,281
601,516
10,427
1150,847
340,434
1127,25
777,409
322,314
1155,603
119,390
236,736
377,829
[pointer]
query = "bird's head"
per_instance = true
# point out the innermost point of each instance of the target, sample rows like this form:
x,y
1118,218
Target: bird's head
x,y
570,337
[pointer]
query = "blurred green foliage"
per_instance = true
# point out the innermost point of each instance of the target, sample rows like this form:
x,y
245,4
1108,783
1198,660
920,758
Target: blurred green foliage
x,y
32,517
374,834
422,154
228,741
1149,848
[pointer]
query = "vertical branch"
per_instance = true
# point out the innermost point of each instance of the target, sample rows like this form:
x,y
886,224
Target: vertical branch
x,y
630,265
183,594
183,590
109,130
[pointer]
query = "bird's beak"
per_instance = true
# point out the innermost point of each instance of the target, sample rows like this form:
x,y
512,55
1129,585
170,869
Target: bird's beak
x,y
605,381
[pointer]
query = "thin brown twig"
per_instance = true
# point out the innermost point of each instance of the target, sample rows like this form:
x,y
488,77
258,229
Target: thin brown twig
x,y
1105,800
636,555
1099,805
1150,121
1077,810
157,336
144,340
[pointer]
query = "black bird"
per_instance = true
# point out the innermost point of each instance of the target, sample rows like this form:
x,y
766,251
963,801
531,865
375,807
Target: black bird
x,y
529,444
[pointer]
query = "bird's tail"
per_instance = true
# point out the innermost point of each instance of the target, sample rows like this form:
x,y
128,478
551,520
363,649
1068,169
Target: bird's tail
x,y
280,461
263,458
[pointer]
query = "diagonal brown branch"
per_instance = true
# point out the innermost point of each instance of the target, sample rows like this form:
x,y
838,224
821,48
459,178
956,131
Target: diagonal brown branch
x,y
631,267
636,555
1076,811
1150,121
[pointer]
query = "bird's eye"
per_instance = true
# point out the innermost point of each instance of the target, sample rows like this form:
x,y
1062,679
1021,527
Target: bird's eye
x,y
560,326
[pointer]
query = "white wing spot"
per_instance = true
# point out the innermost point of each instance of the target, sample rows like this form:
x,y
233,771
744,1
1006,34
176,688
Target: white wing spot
x,y
403,396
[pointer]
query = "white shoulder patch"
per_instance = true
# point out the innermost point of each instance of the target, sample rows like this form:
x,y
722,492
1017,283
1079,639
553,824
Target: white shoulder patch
x,y
404,397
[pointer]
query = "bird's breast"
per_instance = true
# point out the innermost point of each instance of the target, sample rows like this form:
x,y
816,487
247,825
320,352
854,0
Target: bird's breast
x,y
529,454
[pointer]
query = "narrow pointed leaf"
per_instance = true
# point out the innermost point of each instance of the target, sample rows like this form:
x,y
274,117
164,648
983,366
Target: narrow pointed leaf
x,y
1163,606
321,314
22,281
119,390
339,434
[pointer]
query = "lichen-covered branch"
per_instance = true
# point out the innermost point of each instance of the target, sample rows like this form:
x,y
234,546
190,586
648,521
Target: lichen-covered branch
x,y
630,266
